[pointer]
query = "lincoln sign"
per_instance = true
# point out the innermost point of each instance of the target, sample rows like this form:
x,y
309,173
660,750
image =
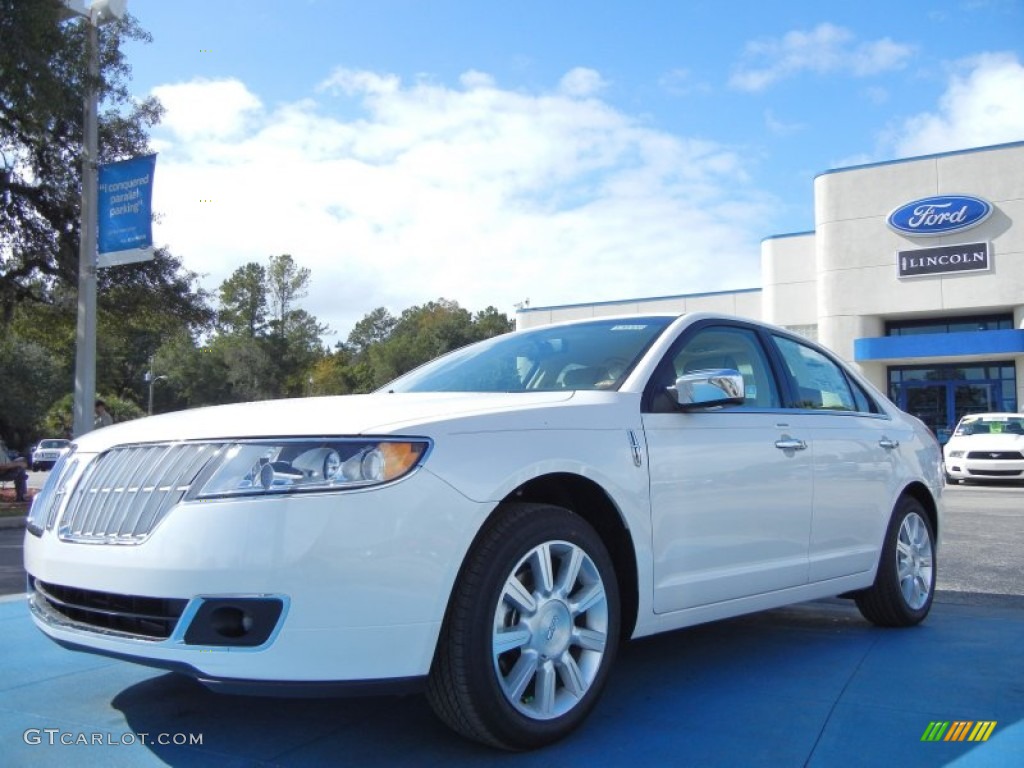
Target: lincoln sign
x,y
971,257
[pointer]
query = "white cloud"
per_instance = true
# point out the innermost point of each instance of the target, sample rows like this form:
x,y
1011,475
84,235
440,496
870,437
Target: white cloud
x,y
207,108
474,193
825,49
781,127
983,104
581,82
680,82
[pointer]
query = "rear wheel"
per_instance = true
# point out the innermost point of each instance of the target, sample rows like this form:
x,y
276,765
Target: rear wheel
x,y
531,630
905,583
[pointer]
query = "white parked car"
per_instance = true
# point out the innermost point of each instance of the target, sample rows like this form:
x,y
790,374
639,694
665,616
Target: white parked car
x,y
986,446
48,452
490,526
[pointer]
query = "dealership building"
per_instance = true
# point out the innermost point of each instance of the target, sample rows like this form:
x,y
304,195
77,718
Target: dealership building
x,y
914,272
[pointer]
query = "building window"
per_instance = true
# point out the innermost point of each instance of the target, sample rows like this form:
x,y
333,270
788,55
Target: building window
x,y
943,394
807,331
950,325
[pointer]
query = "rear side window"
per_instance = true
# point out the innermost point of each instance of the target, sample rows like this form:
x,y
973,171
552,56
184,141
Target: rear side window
x,y
818,382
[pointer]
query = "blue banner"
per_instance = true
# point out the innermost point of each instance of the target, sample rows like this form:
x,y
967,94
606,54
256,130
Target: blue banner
x,y
124,204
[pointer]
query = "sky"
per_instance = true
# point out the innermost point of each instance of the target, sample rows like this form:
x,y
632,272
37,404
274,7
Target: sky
x,y
543,152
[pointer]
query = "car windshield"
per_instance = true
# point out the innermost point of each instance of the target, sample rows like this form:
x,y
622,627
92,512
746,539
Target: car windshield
x,y
991,425
592,355
53,443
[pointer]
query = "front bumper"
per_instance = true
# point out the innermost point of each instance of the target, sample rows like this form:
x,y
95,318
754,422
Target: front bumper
x,y
984,469
362,579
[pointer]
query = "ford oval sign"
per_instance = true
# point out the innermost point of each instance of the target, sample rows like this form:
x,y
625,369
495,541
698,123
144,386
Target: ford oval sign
x,y
939,215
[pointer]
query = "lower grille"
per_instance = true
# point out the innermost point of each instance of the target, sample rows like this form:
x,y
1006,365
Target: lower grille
x,y
996,455
148,618
995,472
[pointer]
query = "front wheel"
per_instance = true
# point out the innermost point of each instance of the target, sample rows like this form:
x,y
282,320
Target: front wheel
x,y
531,630
905,583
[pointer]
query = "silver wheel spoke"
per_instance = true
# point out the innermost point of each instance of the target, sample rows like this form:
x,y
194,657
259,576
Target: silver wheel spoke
x,y
543,570
587,599
589,639
570,572
510,639
904,548
544,688
570,675
520,676
516,594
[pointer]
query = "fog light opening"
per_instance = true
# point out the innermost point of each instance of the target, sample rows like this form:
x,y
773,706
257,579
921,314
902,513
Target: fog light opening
x,y
229,621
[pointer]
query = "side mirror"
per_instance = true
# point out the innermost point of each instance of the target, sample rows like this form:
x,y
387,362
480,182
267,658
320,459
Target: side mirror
x,y
703,389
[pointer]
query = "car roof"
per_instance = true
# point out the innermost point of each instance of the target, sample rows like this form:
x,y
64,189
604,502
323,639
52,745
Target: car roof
x,y
992,416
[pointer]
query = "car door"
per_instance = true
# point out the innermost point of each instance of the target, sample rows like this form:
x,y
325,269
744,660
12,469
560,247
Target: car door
x,y
856,450
730,486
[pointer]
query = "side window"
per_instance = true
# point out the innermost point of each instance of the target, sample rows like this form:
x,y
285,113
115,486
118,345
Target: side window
x,y
721,347
820,384
865,403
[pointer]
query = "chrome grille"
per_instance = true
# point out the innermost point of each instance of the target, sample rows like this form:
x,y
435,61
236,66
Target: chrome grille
x,y
147,618
125,493
48,501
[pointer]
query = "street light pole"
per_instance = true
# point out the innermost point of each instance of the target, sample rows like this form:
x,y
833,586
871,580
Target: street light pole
x,y
152,380
85,336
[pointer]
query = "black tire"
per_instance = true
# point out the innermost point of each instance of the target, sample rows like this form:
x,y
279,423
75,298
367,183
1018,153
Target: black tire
x,y
905,583
552,671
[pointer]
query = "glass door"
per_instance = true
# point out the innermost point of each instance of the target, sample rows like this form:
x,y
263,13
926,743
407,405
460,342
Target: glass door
x,y
973,397
930,403
941,404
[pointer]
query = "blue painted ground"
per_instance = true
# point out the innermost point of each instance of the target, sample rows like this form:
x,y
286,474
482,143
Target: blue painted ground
x,y
812,685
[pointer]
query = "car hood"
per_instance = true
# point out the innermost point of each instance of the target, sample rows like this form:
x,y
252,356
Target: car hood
x,y
378,413
990,442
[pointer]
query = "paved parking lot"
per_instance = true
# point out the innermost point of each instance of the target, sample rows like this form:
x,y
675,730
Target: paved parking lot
x,y
811,685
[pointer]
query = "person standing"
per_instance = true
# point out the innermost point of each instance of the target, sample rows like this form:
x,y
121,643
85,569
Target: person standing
x,y
14,469
103,417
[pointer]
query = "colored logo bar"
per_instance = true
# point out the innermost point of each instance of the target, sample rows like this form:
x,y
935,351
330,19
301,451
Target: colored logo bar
x,y
959,730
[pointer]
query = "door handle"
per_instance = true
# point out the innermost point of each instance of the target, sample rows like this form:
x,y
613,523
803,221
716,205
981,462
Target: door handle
x,y
790,444
885,442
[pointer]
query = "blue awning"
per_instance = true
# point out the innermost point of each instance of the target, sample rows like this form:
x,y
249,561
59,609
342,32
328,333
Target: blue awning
x,y
1005,342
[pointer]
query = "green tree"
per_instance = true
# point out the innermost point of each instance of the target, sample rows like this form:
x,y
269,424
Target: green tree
x,y
137,310
427,331
42,87
59,419
30,379
266,341
196,375
243,301
374,328
286,283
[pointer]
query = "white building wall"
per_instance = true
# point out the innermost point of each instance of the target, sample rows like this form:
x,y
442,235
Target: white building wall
x,y
789,281
855,251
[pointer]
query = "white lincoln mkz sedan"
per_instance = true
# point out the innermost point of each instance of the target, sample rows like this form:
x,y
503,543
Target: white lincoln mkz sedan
x,y
490,526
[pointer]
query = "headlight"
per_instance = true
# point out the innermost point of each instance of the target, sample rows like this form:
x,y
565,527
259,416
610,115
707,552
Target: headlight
x,y
258,467
956,454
